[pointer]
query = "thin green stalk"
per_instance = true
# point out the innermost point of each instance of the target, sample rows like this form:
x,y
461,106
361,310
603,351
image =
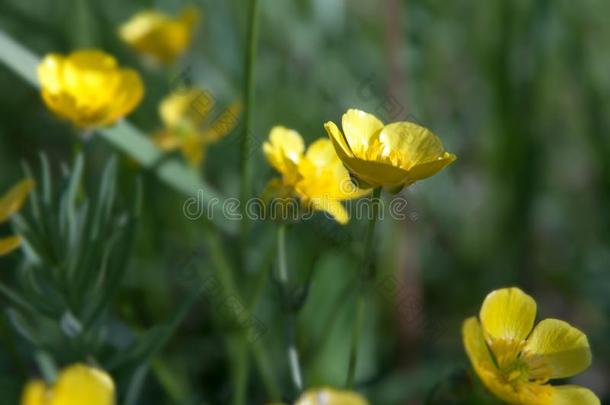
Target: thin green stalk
x,y
281,254
364,277
240,372
245,144
355,342
241,361
293,354
265,369
225,276
238,346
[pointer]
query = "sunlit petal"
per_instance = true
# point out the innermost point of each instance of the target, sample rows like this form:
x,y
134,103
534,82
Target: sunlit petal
x,y
35,393
359,127
80,384
332,207
284,150
508,314
572,395
562,347
422,171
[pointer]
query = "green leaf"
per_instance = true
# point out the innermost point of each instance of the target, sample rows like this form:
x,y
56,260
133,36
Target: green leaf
x,y
70,325
154,339
135,385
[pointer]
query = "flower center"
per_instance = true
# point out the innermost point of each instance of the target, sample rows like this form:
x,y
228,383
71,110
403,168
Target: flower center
x,y
517,366
376,151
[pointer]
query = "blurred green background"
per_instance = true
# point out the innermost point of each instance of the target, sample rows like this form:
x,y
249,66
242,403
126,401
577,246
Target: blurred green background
x,y
518,90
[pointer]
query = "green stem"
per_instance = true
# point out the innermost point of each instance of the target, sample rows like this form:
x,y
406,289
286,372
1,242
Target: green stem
x,y
355,342
225,276
240,373
293,354
266,370
281,254
245,144
365,276
250,61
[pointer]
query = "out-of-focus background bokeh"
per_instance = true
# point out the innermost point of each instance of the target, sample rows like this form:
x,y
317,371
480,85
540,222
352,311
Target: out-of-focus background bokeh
x,y
518,90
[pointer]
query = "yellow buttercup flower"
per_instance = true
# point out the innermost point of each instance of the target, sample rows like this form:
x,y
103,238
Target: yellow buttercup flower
x,y
88,88
329,396
160,36
185,114
392,156
316,176
515,360
10,203
76,385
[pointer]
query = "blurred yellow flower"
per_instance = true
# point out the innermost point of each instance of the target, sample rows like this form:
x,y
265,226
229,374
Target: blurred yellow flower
x,y
184,115
392,156
76,385
316,176
158,36
88,88
10,203
515,360
329,396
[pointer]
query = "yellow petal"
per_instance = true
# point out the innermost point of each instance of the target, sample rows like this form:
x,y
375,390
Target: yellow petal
x,y
331,206
224,123
474,343
89,59
286,142
34,393
562,347
572,395
12,201
128,95
339,142
377,174
424,170
193,150
50,72
140,25
89,74
79,384
359,127
9,244
324,176
283,151
189,106
508,314
412,144
329,396
321,153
